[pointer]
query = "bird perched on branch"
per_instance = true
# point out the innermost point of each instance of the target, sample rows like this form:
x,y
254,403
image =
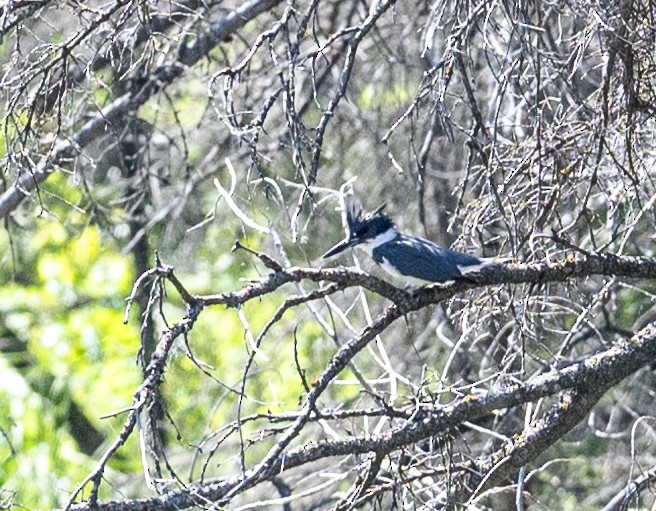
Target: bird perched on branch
x,y
415,259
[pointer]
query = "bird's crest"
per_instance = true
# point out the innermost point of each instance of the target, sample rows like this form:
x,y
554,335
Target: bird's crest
x,y
357,221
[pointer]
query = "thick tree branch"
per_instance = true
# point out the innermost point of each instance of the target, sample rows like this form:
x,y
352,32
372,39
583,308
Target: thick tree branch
x,y
535,272
589,379
596,374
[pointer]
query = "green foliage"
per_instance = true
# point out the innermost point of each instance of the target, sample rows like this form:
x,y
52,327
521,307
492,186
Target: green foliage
x,y
66,317
67,313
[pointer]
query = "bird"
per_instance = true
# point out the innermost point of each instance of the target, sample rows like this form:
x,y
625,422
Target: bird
x,y
417,260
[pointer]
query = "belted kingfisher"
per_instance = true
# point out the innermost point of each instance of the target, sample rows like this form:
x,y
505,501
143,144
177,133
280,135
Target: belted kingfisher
x,y
415,259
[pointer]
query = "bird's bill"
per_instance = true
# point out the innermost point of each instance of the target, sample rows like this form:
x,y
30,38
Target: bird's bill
x,y
340,247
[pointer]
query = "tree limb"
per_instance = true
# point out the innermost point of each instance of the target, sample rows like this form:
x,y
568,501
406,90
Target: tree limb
x,y
189,55
589,379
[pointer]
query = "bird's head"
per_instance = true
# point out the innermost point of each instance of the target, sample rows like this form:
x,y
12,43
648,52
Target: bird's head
x,y
362,228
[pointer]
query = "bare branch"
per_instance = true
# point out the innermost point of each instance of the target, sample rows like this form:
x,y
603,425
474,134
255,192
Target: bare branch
x,y
189,55
590,380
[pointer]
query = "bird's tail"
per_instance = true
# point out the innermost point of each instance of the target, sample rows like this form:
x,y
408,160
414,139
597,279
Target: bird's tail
x,y
485,262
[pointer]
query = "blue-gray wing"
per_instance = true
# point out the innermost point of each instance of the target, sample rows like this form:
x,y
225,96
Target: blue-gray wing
x,y
423,259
